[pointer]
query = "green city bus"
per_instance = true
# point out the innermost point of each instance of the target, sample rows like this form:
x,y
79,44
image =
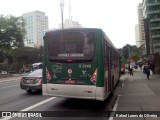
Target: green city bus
x,y
79,63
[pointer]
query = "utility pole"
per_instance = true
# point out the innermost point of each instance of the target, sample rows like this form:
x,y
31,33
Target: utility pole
x,y
70,14
62,9
128,50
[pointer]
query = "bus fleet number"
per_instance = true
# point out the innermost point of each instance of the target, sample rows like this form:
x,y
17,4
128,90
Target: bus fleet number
x,y
84,66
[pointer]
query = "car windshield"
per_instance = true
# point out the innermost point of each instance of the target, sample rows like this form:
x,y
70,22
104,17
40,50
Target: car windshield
x,y
36,72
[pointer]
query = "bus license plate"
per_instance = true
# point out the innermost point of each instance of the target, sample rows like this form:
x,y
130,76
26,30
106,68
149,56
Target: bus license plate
x,y
69,81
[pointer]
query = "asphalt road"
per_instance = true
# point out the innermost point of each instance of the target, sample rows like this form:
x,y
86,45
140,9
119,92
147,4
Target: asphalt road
x,y
133,93
12,98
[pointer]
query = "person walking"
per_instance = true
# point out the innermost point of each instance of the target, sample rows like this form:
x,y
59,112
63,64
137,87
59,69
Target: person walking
x,y
147,70
140,66
131,70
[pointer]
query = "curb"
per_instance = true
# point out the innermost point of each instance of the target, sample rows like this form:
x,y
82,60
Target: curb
x,y
7,75
12,75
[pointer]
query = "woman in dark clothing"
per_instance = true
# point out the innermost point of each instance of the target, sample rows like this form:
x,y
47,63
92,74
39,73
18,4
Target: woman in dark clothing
x,y
147,70
131,70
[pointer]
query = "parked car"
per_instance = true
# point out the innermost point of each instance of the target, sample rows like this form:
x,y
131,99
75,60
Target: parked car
x,y
36,66
32,81
136,66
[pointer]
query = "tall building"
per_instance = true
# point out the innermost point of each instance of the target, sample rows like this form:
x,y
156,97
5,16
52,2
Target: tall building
x,y
151,11
141,26
137,35
68,23
36,24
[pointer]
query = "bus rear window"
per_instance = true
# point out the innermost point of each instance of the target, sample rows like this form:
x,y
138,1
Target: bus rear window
x,y
71,45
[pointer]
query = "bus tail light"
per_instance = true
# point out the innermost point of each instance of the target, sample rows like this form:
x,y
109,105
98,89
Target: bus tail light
x,y
94,77
39,81
48,76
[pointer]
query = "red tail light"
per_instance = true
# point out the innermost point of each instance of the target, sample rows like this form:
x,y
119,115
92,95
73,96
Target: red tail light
x,y
94,77
48,76
40,80
69,60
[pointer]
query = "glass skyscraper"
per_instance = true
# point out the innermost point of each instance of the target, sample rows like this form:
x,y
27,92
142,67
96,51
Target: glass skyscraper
x,y
36,24
151,10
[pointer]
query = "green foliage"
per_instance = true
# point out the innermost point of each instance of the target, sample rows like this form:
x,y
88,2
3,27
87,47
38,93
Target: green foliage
x,y
27,55
130,52
12,31
4,67
15,67
126,51
21,58
134,56
1,57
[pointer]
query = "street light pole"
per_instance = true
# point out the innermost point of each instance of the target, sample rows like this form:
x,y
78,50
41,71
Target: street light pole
x,y
62,8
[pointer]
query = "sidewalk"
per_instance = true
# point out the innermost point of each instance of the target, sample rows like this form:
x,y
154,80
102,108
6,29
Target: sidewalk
x,y
136,93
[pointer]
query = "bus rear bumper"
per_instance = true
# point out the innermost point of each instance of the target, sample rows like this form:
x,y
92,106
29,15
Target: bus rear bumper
x,y
70,91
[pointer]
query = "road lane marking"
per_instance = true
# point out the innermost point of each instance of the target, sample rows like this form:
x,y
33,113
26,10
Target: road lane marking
x,y
114,108
31,107
9,86
10,80
38,104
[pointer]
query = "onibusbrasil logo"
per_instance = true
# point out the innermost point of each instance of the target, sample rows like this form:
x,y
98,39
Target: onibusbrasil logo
x,y
21,114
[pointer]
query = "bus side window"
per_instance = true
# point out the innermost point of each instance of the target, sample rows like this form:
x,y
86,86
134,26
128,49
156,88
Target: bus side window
x,y
106,52
112,58
115,59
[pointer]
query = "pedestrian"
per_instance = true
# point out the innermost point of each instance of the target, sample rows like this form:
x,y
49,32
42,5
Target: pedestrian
x,y
140,66
131,70
147,70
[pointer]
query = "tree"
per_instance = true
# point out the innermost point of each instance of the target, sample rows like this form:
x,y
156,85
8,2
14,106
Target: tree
x,y
134,56
27,55
126,51
12,31
1,57
129,51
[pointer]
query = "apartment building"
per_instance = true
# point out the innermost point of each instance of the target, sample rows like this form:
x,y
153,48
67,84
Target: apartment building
x,y
141,40
36,24
151,11
137,38
68,23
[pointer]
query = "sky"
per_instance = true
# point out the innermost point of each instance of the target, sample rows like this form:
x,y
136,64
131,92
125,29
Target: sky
x,y
117,18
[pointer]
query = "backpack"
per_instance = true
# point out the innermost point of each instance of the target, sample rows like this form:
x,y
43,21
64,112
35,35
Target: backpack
x,y
146,70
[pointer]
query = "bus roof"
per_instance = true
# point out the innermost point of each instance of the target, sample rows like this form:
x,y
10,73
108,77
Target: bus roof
x,y
99,29
65,29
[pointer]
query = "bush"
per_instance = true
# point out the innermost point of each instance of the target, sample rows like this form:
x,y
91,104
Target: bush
x,y
4,67
15,67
